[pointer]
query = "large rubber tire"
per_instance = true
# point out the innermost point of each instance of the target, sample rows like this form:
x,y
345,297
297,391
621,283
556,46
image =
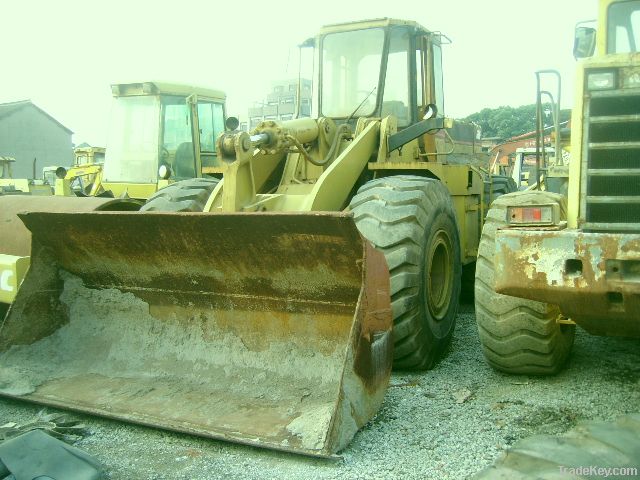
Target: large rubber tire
x,y
498,186
590,445
412,221
184,196
517,335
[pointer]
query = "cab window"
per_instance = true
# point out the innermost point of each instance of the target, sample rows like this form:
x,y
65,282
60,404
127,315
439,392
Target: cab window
x,y
177,144
211,124
624,27
396,86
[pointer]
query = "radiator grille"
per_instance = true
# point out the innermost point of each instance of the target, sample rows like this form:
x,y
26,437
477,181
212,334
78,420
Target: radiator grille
x,y
612,164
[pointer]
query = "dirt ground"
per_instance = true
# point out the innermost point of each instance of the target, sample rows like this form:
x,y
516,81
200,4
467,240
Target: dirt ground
x,y
450,422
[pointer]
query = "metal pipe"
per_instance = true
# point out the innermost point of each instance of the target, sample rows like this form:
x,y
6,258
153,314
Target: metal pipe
x,y
259,139
495,160
556,119
539,128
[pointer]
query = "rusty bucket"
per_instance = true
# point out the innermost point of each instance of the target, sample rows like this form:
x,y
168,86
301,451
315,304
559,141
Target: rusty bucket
x,y
272,330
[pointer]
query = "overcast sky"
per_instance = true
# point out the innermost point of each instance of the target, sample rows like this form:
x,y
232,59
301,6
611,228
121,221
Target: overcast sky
x,y
64,54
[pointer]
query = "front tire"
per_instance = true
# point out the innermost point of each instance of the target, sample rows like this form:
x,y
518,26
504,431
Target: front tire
x,y
412,221
517,335
183,196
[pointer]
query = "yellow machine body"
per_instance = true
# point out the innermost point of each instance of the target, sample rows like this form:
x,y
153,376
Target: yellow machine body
x,y
588,263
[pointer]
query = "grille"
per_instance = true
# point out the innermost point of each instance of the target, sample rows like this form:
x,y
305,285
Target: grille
x,y
612,170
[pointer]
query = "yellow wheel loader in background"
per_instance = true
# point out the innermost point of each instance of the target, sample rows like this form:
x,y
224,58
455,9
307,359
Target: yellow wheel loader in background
x,y
159,133
19,186
83,178
267,317
548,262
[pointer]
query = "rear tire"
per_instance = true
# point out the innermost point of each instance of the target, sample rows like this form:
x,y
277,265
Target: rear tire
x,y
517,335
184,196
498,186
412,221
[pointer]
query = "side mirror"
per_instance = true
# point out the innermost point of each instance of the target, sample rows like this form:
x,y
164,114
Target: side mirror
x,y
431,111
584,42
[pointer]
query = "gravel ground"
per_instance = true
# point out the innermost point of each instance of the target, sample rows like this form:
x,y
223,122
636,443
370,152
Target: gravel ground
x,y
450,422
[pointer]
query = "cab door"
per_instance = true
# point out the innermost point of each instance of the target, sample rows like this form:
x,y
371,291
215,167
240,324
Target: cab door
x,y
208,123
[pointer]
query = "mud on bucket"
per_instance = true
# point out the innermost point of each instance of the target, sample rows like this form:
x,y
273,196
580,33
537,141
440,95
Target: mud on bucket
x,y
267,329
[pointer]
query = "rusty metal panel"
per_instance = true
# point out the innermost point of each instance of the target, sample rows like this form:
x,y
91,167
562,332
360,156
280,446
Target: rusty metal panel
x,y
594,278
267,329
15,238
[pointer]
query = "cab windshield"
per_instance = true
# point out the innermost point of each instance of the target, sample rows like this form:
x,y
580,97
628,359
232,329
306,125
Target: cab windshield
x,y
132,155
623,31
351,64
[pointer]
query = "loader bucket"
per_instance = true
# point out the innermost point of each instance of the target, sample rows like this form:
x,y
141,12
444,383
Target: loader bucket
x,y
15,239
272,330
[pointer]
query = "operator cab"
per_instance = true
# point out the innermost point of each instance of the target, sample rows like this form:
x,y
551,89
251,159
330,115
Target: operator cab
x,y
380,67
162,131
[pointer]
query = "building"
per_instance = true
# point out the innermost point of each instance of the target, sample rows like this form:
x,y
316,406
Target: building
x,y
34,138
502,153
488,143
281,102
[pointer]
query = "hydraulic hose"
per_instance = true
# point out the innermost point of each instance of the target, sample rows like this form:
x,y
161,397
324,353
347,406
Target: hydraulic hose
x,y
340,132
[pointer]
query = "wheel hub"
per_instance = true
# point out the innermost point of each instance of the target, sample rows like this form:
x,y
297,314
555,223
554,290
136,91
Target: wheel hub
x,y
439,271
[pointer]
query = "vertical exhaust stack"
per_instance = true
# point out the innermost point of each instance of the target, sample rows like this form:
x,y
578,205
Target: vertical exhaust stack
x,y
271,330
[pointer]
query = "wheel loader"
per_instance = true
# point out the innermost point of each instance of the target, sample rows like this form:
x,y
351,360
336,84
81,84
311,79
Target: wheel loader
x,y
83,178
549,260
159,133
269,309
19,186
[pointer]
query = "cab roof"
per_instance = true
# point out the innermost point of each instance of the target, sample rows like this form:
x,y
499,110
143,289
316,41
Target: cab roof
x,y
372,23
165,88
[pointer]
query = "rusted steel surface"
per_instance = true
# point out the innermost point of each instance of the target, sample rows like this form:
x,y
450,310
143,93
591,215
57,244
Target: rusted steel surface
x,y
267,329
15,238
594,278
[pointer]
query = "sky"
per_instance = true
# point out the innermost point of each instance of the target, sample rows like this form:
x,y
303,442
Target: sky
x,y
64,54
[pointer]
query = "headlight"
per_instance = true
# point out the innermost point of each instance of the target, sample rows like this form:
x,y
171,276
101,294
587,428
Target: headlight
x,y
534,215
601,80
630,77
164,172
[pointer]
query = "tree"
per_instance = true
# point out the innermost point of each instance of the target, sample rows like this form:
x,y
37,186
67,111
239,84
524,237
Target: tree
x,y
506,122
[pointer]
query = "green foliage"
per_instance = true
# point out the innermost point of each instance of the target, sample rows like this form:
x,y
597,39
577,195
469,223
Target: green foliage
x,y
506,122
